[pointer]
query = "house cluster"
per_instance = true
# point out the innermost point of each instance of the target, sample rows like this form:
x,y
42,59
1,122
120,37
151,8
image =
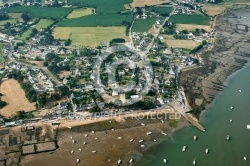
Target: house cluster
x,y
141,40
186,7
40,81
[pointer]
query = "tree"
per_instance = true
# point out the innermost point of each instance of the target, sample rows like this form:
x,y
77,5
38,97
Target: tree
x,y
67,42
94,109
45,63
25,17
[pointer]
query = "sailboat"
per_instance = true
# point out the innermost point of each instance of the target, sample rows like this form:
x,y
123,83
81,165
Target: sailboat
x,y
195,138
245,158
184,148
165,160
248,126
119,161
131,160
228,137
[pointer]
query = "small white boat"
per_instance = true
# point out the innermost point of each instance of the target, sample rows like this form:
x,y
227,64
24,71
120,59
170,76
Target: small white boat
x,y
86,135
149,133
142,146
96,138
248,126
184,148
69,127
119,161
154,140
80,149
71,137
84,143
194,162
93,151
195,138
228,137
119,137
77,160
93,131
141,140
162,121
131,160
73,141
113,129
165,160
230,120
72,151
131,140
143,124
239,90
206,151
231,107
164,133
245,158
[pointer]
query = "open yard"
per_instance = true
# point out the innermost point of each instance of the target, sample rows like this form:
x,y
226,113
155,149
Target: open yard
x,y
213,10
12,21
102,6
142,3
196,19
80,12
43,23
174,43
89,36
14,95
96,20
41,12
143,25
190,27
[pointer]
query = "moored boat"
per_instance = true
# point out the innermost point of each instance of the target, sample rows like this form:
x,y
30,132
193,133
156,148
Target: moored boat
x,y
184,148
228,137
195,138
206,151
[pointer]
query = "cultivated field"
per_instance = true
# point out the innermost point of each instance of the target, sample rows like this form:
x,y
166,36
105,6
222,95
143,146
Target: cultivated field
x,y
96,20
80,12
43,23
143,25
190,27
102,6
213,10
41,12
161,10
14,95
142,3
196,19
174,43
89,36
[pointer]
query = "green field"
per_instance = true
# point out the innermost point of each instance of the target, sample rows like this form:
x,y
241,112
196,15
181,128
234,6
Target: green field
x,y
96,20
80,12
89,36
161,10
43,23
41,12
12,21
196,19
2,56
103,6
143,25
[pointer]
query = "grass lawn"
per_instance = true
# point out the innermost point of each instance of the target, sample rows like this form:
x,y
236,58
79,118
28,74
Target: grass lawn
x,y
191,27
43,23
143,25
142,3
80,12
40,12
196,19
96,20
12,21
89,36
174,43
161,10
103,6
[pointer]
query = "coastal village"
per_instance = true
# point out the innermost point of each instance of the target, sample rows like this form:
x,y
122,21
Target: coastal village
x,y
55,69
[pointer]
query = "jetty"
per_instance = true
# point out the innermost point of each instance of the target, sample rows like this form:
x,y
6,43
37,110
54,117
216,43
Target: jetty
x,y
192,120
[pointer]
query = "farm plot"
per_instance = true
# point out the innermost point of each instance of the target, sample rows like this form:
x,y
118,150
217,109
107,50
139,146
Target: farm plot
x,y
96,20
160,10
103,6
143,25
190,27
196,19
41,12
174,43
14,95
80,12
142,3
89,36
43,23
213,10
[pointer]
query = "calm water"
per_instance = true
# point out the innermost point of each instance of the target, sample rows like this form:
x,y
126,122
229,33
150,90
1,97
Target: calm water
x,y
216,121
